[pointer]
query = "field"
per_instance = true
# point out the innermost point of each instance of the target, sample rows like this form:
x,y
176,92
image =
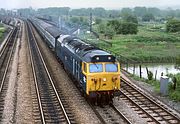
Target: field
x,y
150,44
1,31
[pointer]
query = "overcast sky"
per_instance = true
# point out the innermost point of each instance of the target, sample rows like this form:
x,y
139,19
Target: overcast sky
x,y
108,4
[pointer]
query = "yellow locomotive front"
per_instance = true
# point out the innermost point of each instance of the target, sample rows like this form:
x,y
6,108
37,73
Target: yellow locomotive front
x,y
102,78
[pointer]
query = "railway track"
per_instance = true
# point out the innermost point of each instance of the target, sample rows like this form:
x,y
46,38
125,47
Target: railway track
x,y
6,55
51,106
109,114
145,106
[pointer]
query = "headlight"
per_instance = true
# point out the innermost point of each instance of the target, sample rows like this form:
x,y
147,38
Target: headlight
x,y
104,79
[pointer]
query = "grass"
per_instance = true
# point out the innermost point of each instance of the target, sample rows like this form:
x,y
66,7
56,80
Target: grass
x,y
175,94
172,94
151,44
147,46
2,30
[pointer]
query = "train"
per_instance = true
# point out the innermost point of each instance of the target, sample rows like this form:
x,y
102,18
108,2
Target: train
x,y
96,71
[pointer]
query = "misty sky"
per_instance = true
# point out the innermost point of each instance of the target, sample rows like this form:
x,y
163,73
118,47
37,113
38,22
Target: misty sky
x,y
108,4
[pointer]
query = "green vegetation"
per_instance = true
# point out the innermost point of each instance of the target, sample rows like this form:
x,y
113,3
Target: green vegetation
x,y
2,30
173,25
123,27
154,83
148,17
150,44
173,94
145,39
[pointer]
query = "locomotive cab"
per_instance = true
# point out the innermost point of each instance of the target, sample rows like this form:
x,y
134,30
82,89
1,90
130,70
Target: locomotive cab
x,y
101,77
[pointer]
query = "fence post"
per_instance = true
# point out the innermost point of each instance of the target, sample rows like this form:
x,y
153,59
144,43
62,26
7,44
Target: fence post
x,y
134,69
155,75
140,71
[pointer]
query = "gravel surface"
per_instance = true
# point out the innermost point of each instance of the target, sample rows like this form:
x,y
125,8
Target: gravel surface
x,y
128,112
11,95
83,113
149,90
24,101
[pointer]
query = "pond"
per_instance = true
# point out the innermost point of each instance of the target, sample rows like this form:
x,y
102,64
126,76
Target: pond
x,y
155,67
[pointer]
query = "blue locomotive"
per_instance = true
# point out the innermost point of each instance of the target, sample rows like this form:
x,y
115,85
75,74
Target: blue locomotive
x,y
96,71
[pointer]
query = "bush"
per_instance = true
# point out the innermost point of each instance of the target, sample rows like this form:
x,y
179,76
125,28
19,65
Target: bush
x,y
102,28
123,27
127,28
150,75
173,25
109,32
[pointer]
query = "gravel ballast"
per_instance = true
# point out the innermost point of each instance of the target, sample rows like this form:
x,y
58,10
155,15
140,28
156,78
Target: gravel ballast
x,y
24,101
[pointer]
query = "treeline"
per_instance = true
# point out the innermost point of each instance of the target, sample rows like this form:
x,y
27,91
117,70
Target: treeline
x,y
142,12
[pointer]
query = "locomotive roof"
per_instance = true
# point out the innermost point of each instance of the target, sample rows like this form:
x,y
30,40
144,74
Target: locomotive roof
x,y
87,52
98,56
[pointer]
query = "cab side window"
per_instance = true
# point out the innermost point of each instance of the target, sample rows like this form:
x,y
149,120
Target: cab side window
x,y
85,68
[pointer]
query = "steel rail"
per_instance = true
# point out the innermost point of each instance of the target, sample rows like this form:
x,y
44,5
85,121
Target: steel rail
x,y
6,43
121,114
9,59
35,81
52,83
150,99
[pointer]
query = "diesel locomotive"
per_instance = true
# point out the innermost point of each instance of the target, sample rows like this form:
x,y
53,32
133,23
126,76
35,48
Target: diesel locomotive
x,y
96,71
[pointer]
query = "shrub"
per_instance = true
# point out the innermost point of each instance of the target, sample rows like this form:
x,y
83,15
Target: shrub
x,y
150,75
123,27
173,25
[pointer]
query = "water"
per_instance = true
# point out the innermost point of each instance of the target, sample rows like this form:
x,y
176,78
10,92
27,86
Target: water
x,y
160,68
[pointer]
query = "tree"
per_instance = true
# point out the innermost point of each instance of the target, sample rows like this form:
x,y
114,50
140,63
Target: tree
x,y
74,19
140,11
130,18
109,32
148,17
101,28
128,28
126,11
173,25
154,11
98,20
123,27
114,24
100,12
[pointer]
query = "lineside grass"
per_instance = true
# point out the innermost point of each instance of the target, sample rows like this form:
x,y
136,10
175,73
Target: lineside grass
x,y
2,30
172,94
147,46
150,44
175,94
